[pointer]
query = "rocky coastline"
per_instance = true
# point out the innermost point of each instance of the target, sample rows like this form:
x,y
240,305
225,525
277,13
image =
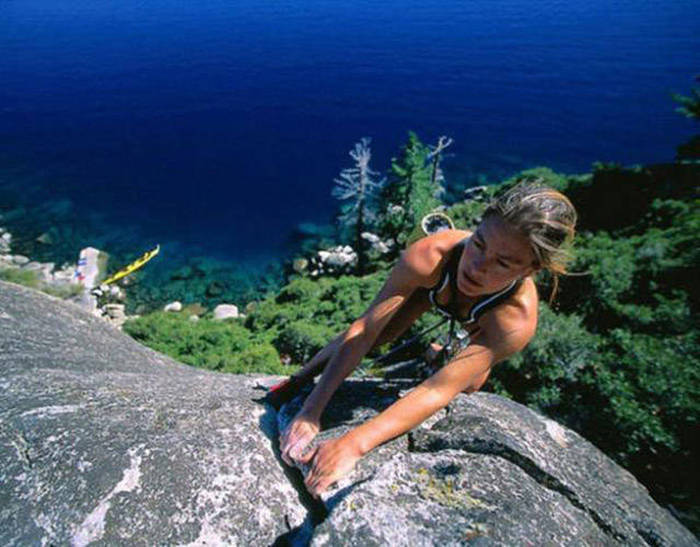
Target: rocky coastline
x,y
75,282
80,282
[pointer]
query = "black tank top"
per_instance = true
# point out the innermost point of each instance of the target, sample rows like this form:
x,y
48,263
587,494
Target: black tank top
x,y
449,275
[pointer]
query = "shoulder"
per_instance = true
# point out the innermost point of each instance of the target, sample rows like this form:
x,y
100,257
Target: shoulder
x,y
426,256
509,327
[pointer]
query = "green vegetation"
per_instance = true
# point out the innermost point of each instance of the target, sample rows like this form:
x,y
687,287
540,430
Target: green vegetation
x,y
26,278
225,346
31,279
410,193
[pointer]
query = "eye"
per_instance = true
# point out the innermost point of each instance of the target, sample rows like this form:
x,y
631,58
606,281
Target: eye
x,y
503,264
478,244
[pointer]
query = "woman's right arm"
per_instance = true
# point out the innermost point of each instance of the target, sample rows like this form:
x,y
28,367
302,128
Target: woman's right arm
x,y
413,270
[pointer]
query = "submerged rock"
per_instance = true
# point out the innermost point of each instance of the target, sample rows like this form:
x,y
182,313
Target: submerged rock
x,y
300,265
215,288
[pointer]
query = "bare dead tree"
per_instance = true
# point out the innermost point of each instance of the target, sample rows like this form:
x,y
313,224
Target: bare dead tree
x,y
356,187
436,176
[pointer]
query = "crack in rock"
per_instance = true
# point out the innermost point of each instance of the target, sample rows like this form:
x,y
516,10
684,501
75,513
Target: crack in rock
x,y
19,442
547,480
316,509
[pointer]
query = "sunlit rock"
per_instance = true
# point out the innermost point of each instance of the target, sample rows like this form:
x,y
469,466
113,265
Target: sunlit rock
x,y
173,306
225,311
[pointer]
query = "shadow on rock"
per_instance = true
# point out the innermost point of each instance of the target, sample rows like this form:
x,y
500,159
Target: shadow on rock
x,y
316,510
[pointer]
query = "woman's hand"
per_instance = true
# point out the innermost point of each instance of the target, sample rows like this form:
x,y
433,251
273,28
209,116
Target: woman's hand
x,y
297,436
332,460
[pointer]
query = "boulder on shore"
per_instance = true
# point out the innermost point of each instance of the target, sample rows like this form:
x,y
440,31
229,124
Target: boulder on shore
x,y
225,311
105,441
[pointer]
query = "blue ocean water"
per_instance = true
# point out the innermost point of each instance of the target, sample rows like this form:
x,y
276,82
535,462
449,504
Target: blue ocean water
x,y
220,125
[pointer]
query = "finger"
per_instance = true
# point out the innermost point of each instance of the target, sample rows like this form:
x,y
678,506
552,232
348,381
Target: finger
x,y
322,485
300,444
283,436
310,480
287,440
285,452
285,458
314,484
308,456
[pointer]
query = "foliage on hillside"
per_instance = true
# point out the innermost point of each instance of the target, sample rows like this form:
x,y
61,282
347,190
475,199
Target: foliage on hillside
x,y
31,279
410,193
619,361
225,346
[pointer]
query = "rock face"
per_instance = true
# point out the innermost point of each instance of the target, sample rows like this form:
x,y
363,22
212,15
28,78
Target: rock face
x,y
105,441
486,470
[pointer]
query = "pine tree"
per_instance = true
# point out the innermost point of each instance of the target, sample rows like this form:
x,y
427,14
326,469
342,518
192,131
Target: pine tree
x,y
437,177
412,190
357,187
690,108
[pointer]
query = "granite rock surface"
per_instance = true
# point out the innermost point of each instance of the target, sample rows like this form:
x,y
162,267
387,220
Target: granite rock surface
x,y
106,442
485,471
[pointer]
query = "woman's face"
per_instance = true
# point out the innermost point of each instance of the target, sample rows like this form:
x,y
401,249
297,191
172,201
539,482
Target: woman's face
x,y
494,256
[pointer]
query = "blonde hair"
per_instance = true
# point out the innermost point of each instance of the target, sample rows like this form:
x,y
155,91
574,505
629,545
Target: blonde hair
x,y
546,218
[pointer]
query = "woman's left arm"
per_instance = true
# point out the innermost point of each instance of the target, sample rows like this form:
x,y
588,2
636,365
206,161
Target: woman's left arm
x,y
502,335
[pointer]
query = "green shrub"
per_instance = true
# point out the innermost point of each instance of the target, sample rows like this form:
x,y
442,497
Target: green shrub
x,y
654,387
605,268
27,278
541,175
62,291
298,321
466,214
300,290
301,340
30,278
260,358
204,343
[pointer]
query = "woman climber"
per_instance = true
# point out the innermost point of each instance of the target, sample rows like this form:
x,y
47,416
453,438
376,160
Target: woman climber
x,y
481,280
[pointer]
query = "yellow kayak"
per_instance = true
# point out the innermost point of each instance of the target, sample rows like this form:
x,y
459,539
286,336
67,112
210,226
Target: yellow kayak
x,y
135,265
